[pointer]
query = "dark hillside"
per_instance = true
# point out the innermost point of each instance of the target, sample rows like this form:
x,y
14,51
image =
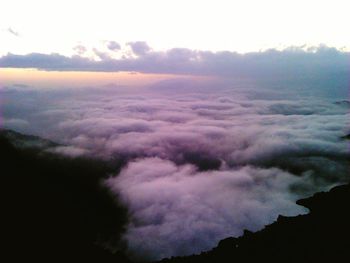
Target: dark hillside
x,y
53,208
323,235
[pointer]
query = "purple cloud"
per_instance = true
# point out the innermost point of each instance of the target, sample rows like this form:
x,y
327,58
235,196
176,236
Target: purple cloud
x,y
80,49
114,46
203,161
139,48
104,56
182,211
292,68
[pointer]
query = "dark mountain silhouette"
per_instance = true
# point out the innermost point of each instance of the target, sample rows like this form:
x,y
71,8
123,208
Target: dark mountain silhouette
x,y
20,140
54,208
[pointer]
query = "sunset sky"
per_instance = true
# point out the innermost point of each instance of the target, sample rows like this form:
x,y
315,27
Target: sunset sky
x,y
243,25
161,39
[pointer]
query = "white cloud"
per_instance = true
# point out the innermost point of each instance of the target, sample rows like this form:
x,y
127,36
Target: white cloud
x,y
176,210
221,158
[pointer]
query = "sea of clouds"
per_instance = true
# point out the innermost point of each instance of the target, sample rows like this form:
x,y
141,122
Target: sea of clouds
x,y
204,161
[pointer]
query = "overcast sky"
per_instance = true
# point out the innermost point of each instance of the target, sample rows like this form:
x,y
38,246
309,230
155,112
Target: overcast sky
x,y
243,25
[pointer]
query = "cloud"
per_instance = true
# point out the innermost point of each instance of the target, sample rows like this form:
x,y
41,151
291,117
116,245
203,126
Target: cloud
x,y
204,128
176,210
14,123
47,62
13,32
101,55
80,49
68,151
203,161
112,45
320,66
139,47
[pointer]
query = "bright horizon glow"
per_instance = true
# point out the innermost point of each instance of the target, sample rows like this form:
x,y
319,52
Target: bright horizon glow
x,y
243,26
49,79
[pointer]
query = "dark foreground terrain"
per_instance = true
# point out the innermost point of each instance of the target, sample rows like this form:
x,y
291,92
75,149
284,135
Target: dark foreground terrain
x,y
54,209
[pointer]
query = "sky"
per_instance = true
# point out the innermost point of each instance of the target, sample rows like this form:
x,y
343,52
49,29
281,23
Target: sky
x,y
170,39
242,26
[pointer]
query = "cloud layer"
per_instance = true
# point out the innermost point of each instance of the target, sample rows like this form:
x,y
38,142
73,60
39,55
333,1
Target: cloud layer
x,y
203,162
295,63
177,210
